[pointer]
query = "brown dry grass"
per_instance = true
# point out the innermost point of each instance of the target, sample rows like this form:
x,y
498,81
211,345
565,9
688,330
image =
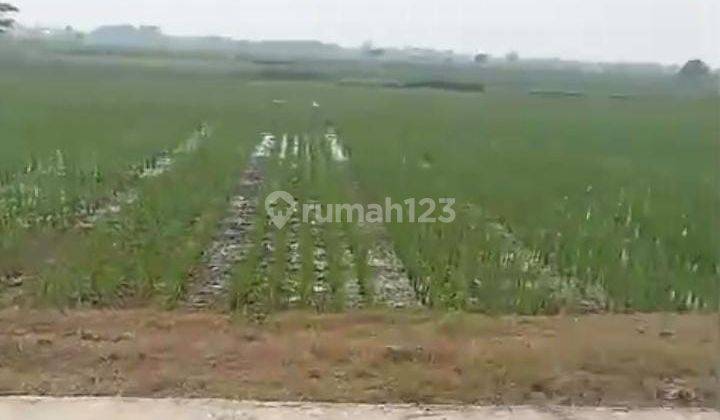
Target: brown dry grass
x,y
438,358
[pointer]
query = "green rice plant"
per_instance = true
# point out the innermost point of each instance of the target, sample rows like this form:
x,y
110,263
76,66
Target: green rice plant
x,y
126,254
360,248
336,274
307,265
562,202
246,279
592,189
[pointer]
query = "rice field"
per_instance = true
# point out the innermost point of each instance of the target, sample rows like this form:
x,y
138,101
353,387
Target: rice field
x,y
125,185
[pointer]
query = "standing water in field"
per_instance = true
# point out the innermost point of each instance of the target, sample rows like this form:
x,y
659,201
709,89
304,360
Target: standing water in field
x,y
337,150
283,147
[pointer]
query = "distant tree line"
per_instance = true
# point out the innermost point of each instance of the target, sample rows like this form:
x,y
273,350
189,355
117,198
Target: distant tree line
x,y
483,58
5,21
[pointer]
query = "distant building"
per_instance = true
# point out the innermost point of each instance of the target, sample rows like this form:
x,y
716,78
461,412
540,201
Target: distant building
x,y
127,36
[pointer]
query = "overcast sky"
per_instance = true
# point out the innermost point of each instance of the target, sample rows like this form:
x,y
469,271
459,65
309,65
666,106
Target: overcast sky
x,y
667,31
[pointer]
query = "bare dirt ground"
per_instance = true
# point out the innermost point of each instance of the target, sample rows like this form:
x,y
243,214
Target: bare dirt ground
x,y
364,357
178,409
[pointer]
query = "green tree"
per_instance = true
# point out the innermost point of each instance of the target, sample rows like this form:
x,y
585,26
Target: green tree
x,y
695,69
6,22
481,58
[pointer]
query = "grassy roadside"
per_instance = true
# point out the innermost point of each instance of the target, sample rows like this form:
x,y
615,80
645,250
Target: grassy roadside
x,y
366,356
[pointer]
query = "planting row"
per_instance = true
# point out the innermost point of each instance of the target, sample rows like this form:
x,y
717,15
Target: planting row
x,y
255,267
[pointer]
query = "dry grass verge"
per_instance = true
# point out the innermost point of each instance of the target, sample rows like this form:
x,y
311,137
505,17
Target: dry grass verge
x,y
635,360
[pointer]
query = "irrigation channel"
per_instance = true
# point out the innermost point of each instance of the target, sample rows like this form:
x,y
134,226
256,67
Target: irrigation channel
x,y
254,265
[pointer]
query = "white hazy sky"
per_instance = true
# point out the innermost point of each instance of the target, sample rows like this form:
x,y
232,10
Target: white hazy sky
x,y
667,31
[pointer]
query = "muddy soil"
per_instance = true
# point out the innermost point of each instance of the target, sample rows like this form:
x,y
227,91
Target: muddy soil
x,y
234,239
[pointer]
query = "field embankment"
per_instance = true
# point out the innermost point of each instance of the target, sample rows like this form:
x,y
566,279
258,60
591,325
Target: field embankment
x,y
370,356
